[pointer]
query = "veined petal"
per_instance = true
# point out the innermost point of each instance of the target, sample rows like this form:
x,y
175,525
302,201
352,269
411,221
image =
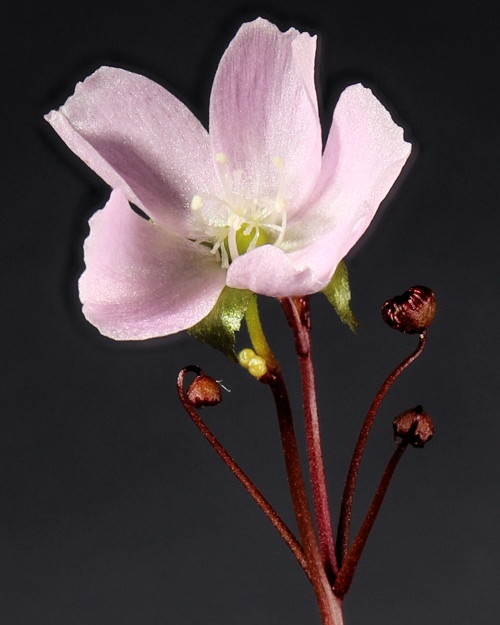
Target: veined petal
x,y
263,112
140,281
364,155
140,138
267,270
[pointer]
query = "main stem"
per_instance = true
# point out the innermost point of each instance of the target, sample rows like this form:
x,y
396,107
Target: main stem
x,y
352,475
298,316
329,606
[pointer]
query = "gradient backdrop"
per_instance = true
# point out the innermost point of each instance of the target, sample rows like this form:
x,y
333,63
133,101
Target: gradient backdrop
x,y
113,510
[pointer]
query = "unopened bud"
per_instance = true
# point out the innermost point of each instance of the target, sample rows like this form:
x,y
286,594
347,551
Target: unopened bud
x,y
411,312
204,391
245,356
415,425
257,367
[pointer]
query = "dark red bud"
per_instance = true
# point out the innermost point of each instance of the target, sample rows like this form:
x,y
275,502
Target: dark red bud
x,y
414,425
411,312
204,391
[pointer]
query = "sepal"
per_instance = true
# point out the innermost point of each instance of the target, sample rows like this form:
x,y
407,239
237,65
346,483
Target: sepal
x,y
218,328
338,293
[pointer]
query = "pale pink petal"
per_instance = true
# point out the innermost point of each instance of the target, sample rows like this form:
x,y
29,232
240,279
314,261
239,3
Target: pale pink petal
x,y
263,112
364,155
140,281
267,270
138,137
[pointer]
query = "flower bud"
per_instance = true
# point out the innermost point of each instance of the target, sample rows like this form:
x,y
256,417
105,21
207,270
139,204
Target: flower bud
x,y
415,425
204,391
245,356
411,312
257,367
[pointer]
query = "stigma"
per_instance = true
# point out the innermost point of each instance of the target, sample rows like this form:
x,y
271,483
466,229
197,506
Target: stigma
x,y
229,224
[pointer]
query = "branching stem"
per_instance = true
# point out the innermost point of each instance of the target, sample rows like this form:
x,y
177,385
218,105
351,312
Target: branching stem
x,y
329,605
352,475
346,573
240,475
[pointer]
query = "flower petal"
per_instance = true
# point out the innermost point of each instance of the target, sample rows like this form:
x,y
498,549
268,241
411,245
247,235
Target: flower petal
x,y
138,137
263,105
267,270
363,157
140,281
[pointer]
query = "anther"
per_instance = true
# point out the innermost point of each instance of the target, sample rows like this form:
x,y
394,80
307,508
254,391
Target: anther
x,y
278,162
196,202
220,158
279,204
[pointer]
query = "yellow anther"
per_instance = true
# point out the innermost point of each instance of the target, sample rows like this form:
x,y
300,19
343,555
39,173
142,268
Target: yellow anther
x,y
278,162
245,356
196,202
220,158
257,367
279,205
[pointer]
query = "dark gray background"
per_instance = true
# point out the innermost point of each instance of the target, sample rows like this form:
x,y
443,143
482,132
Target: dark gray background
x,y
113,510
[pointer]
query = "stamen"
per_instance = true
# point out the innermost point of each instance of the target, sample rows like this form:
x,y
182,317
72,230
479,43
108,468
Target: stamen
x,y
216,246
196,202
279,202
253,243
281,235
224,257
231,241
221,161
233,224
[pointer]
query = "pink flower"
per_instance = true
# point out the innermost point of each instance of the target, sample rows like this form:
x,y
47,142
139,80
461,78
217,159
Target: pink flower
x,y
251,204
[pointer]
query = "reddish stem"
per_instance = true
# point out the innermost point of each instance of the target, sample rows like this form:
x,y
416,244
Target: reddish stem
x,y
253,491
329,605
352,475
346,573
298,315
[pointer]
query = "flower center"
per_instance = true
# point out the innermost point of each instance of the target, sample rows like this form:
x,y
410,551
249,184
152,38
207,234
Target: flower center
x,y
231,224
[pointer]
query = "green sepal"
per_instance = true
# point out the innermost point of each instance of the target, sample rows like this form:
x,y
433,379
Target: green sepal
x,y
338,294
218,328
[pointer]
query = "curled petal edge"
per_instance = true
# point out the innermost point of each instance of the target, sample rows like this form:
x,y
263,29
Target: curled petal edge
x,y
140,281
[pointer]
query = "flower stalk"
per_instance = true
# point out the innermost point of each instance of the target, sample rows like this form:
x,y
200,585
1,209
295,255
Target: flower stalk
x,y
328,604
298,316
240,475
346,573
414,427
353,472
257,336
